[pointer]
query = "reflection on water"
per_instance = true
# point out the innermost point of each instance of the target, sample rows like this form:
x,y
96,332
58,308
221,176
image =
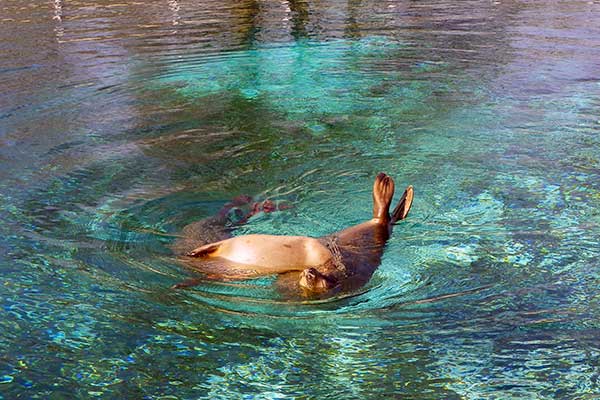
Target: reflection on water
x,y
121,123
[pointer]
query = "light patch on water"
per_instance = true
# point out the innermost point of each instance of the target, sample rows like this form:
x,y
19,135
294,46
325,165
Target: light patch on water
x,y
464,254
307,80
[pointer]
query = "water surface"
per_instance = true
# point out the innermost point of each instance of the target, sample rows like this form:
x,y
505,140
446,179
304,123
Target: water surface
x,y
120,123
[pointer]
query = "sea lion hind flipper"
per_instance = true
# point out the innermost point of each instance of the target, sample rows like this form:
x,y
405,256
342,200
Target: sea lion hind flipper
x,y
383,191
204,250
401,210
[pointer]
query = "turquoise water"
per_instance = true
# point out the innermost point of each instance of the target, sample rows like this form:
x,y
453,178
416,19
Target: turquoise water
x,y
122,123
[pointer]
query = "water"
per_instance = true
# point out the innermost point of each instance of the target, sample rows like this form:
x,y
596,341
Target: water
x,y
121,123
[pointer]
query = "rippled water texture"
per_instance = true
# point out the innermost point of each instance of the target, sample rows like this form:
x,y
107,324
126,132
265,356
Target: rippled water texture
x,y
120,123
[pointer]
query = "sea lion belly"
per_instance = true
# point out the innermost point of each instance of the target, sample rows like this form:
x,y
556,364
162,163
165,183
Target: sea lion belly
x,y
274,253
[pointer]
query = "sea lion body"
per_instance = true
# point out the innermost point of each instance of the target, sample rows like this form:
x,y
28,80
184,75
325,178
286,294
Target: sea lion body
x,y
267,253
344,259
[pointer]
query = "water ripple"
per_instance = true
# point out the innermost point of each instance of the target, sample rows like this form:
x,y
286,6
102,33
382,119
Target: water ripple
x,y
121,123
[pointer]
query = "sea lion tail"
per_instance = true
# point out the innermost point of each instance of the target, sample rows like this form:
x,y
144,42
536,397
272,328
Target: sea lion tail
x,y
403,207
383,191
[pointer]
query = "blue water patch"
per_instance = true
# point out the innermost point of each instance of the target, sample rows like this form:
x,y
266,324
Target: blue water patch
x,y
122,135
307,79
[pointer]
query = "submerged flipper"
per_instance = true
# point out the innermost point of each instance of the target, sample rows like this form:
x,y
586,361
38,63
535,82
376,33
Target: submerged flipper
x,y
191,282
403,207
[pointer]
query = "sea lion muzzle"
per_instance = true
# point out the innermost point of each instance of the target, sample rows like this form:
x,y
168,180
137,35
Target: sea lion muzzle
x,y
314,281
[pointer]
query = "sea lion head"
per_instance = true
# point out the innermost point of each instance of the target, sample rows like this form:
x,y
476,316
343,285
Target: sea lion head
x,y
314,281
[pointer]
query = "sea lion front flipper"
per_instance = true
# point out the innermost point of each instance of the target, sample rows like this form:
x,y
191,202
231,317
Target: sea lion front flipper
x,y
403,207
204,250
187,283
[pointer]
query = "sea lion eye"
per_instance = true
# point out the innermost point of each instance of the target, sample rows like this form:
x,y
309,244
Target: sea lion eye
x,y
311,273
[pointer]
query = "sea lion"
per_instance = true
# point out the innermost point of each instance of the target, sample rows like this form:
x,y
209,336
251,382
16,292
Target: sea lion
x,y
342,260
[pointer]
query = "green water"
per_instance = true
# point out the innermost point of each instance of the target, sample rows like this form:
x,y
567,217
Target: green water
x,y
122,123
